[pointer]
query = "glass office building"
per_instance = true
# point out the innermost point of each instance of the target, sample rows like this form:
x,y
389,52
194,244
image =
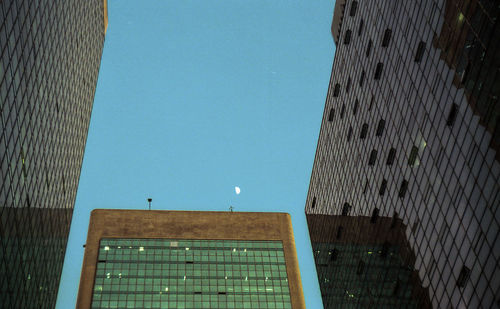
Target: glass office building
x,y
410,132
50,53
180,259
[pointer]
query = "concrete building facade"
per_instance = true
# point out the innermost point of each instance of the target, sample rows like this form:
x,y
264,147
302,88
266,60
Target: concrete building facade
x,y
189,259
410,131
50,53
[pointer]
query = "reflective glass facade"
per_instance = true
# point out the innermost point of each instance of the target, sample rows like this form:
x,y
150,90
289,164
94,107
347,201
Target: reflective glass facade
x,y
410,131
179,273
50,54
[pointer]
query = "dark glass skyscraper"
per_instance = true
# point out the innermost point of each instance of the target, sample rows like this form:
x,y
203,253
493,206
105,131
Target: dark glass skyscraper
x,y
410,133
50,57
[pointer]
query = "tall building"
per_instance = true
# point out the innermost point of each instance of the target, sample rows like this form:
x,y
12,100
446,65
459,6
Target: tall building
x,y
50,56
189,259
410,133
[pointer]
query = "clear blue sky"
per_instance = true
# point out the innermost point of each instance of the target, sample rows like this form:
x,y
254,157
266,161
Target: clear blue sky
x,y
197,97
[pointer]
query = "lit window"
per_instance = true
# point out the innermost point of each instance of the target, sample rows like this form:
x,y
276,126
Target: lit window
x,y
420,51
331,114
413,156
347,37
141,249
387,37
106,248
378,71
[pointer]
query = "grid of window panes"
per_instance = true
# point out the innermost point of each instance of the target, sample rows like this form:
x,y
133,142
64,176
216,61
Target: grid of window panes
x,y
411,128
50,54
176,273
363,276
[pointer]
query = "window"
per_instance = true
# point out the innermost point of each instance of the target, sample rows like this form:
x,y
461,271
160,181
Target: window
x,y
355,107
347,37
333,254
415,226
371,103
365,189
313,203
362,79
346,209
342,111
452,116
394,220
369,48
463,277
361,24
387,37
340,229
391,156
348,87
373,157
397,287
354,8
361,267
385,249
374,215
349,134
378,71
364,131
331,114
383,187
336,90
420,51
380,127
403,188
413,156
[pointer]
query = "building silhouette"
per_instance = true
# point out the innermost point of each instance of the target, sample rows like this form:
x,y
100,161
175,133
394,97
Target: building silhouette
x,y
189,259
410,133
50,53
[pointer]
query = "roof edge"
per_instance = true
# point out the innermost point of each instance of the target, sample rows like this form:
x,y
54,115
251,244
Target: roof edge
x,y
338,16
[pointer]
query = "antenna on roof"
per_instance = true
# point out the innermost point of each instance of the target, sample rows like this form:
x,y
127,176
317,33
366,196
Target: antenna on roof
x,y
149,201
231,208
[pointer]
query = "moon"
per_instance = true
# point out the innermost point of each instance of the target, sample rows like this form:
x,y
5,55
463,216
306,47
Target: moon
x,y
237,190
